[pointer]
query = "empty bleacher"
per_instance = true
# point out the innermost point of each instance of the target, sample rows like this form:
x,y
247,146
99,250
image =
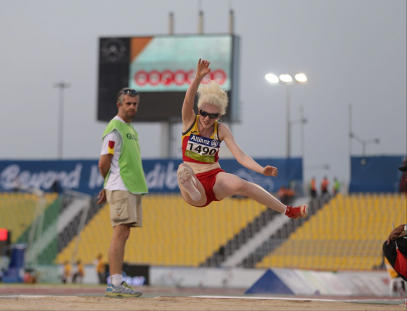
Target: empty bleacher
x,y
346,234
173,233
279,237
17,211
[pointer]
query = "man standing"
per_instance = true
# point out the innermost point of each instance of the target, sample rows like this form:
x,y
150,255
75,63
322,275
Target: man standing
x,y
336,187
398,235
324,186
313,188
120,164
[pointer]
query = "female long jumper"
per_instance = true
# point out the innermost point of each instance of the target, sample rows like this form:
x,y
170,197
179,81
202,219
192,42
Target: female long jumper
x,y
200,177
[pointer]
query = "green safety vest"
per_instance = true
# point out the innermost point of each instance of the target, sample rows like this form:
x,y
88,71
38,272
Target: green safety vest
x,y
131,168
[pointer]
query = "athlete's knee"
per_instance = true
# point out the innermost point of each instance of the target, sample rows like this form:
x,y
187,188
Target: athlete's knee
x,y
184,166
241,187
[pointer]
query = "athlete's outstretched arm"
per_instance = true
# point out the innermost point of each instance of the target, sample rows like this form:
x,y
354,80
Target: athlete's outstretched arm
x,y
241,156
188,114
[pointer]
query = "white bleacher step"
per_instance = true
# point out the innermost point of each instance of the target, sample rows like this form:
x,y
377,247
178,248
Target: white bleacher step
x,y
258,239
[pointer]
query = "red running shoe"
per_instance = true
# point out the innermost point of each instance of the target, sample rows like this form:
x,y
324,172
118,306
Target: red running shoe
x,y
297,211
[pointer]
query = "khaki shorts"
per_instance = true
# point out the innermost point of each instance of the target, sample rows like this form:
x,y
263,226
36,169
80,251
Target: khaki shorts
x,y
125,208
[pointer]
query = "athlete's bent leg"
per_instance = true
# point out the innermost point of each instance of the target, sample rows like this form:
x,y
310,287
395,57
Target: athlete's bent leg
x,y
191,188
227,185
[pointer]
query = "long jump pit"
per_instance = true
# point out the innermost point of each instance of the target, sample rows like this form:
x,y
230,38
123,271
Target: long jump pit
x,y
82,297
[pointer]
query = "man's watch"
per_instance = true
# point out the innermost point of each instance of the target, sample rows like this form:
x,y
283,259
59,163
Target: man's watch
x,y
405,229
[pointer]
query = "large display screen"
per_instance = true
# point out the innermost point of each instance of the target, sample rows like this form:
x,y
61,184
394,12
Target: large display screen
x,y
161,68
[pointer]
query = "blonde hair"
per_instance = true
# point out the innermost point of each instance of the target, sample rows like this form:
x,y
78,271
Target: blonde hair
x,y
212,94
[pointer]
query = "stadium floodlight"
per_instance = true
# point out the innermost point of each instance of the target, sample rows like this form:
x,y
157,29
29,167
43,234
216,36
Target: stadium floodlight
x,y
286,78
301,77
272,78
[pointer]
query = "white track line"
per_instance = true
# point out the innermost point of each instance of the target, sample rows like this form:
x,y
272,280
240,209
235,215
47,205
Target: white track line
x,y
290,298
267,298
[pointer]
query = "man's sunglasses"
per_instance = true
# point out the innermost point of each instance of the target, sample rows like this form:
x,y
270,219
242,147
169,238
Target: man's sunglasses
x,y
211,115
131,91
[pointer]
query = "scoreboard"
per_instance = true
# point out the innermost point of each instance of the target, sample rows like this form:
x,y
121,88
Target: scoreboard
x,y
161,68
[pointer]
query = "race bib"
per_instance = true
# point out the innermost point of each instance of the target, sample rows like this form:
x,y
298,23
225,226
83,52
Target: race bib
x,y
202,149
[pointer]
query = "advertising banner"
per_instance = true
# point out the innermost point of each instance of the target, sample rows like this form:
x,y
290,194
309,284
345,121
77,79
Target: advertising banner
x,y
161,175
168,63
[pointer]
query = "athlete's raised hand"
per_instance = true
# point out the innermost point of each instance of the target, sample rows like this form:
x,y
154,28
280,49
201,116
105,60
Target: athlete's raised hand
x,y
203,68
270,171
188,114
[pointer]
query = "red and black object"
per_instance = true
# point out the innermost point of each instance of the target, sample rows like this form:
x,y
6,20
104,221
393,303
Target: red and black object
x,y
5,240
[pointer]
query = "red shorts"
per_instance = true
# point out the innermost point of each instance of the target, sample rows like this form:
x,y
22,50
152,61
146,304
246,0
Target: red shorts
x,y
208,180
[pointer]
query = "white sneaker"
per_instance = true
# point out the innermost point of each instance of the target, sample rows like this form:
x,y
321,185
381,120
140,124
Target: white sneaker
x,y
122,291
188,183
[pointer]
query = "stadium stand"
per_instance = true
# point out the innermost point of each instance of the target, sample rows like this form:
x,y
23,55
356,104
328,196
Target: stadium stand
x,y
239,239
72,228
173,233
346,234
314,205
17,210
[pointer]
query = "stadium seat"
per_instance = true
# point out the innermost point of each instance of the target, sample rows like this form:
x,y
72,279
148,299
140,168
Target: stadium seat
x,y
173,233
17,211
346,234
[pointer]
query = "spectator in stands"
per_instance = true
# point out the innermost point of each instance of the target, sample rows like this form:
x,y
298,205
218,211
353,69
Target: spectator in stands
x,y
79,274
100,269
66,276
324,186
121,166
403,179
313,188
337,186
397,235
285,195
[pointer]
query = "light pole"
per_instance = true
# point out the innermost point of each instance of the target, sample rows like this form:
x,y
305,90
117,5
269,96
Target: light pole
x,y
61,85
300,78
301,121
364,142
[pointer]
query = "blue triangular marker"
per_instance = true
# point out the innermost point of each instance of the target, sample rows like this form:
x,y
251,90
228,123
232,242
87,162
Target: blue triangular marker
x,y
269,283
